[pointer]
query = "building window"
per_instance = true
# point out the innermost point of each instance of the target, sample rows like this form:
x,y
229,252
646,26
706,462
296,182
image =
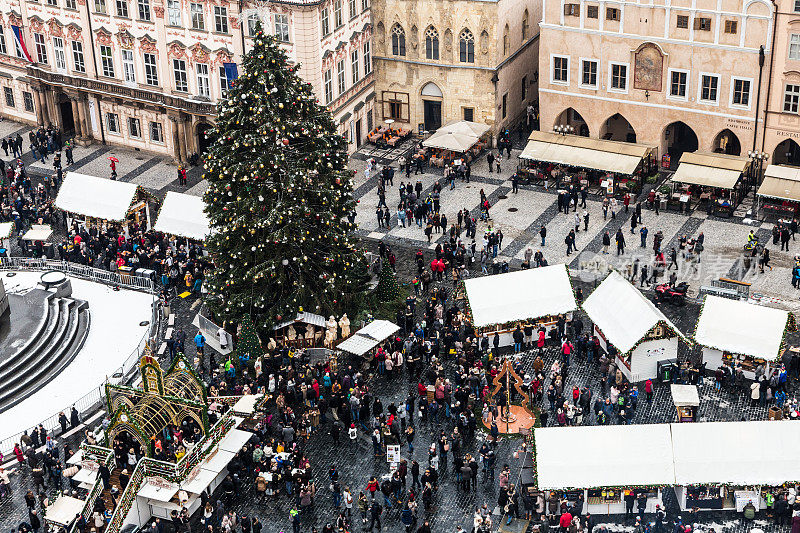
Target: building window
x,y
524,91
181,82
77,56
612,13
27,101
112,121
469,114
3,49
364,5
505,105
525,25
224,85
354,65
100,6
198,23
71,4
328,82
466,47
252,24
560,69
794,46
505,40
174,12
59,54
791,98
52,2
128,71
677,83
156,132
221,19
352,8
337,13
326,25
134,128
144,10
797,6
682,21
122,8
340,76
702,23
203,82
41,48
431,43
367,59
592,12
709,85
398,40
619,77
572,10
282,27
741,92
9,94
589,73
731,26
150,69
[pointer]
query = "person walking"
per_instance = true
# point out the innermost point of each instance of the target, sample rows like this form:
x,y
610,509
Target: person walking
x,y
490,160
606,242
543,233
620,238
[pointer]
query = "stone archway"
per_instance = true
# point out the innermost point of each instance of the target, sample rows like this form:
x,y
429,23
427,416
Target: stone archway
x,y
570,117
432,98
726,142
678,138
787,153
204,142
617,128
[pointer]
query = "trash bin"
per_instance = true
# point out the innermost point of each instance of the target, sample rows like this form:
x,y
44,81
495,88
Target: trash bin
x,y
775,413
667,370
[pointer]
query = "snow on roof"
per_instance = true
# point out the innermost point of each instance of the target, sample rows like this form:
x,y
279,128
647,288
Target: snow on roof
x,y
95,197
739,453
740,327
183,215
683,395
306,318
634,455
622,313
520,295
368,337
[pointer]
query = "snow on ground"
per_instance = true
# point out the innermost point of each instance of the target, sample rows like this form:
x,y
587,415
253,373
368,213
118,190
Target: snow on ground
x,y
114,333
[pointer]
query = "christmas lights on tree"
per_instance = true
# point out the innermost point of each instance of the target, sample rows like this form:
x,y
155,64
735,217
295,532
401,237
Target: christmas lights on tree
x,y
388,289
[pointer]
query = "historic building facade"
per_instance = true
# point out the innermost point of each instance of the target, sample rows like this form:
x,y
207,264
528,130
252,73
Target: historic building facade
x,y
446,60
147,74
682,75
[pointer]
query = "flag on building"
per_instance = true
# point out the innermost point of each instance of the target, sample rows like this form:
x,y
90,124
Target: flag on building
x,y
231,71
19,41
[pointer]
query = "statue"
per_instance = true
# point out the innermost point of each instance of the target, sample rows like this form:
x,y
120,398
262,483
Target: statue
x,y
330,333
344,323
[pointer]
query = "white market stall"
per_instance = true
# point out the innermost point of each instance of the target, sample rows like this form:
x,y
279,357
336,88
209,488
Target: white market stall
x,y
736,332
368,337
496,304
183,215
638,331
605,461
6,229
686,400
63,511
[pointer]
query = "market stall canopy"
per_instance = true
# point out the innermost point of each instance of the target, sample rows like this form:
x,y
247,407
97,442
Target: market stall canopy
x,y
159,491
737,453
623,313
6,228
183,215
96,197
710,170
234,440
521,295
368,337
64,510
782,182
458,137
304,318
578,151
741,328
38,232
637,455
685,395
246,404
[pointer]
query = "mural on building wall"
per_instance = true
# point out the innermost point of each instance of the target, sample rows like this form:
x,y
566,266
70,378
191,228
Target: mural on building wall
x,y
648,68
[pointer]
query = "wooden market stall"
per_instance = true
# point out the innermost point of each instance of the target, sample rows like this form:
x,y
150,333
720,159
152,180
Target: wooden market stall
x,y
183,215
456,141
734,332
607,167
717,180
778,198
496,304
306,330
686,400
638,331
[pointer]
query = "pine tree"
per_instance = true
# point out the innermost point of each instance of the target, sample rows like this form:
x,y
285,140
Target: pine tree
x,y
387,290
278,199
248,345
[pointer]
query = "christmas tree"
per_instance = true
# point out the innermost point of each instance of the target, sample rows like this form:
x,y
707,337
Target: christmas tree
x,y
387,290
248,345
279,192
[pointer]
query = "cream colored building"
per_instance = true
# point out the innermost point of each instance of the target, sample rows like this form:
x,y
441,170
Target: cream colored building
x,y
446,60
682,75
147,74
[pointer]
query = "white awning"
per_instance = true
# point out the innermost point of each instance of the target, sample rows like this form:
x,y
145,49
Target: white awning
x,y
38,232
368,337
95,197
521,295
782,182
741,328
710,170
458,136
157,491
305,318
183,215
246,404
685,395
64,510
218,461
198,482
234,440
6,228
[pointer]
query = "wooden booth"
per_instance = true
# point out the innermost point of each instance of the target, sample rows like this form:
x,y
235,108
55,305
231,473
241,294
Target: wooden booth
x,y
498,303
737,333
686,400
306,330
778,197
716,182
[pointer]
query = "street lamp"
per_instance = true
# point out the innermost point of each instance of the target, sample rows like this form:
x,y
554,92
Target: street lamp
x,y
758,158
563,129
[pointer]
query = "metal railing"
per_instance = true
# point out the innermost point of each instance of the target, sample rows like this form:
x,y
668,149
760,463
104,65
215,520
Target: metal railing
x,y
128,281
98,454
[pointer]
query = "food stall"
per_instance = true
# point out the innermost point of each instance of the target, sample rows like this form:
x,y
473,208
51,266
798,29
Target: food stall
x,y
456,141
636,458
686,400
717,180
306,330
362,342
778,197
183,215
738,333
605,167
496,304
637,329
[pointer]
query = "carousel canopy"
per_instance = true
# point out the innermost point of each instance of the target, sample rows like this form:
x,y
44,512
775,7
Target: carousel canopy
x,y
457,137
96,197
5,229
578,151
520,295
183,215
623,313
368,337
710,170
782,182
741,328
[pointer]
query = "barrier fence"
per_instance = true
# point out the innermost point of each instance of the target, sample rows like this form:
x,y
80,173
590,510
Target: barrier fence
x,y
126,280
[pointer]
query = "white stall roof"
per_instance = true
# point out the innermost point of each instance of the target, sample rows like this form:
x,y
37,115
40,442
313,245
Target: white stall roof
x,y
158,492
234,440
199,482
5,229
64,510
631,456
685,395
218,461
85,475
183,215
368,337
740,327
524,294
246,404
95,197
38,232
622,313
739,453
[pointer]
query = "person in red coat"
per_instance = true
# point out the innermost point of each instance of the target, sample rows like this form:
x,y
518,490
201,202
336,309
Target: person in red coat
x,y
565,521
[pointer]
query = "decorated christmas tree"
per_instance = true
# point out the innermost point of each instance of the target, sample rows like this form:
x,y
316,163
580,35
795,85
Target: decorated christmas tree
x,y
279,193
248,345
388,289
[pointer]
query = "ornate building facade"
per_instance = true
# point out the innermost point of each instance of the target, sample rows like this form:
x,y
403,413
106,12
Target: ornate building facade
x,y
446,60
147,74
